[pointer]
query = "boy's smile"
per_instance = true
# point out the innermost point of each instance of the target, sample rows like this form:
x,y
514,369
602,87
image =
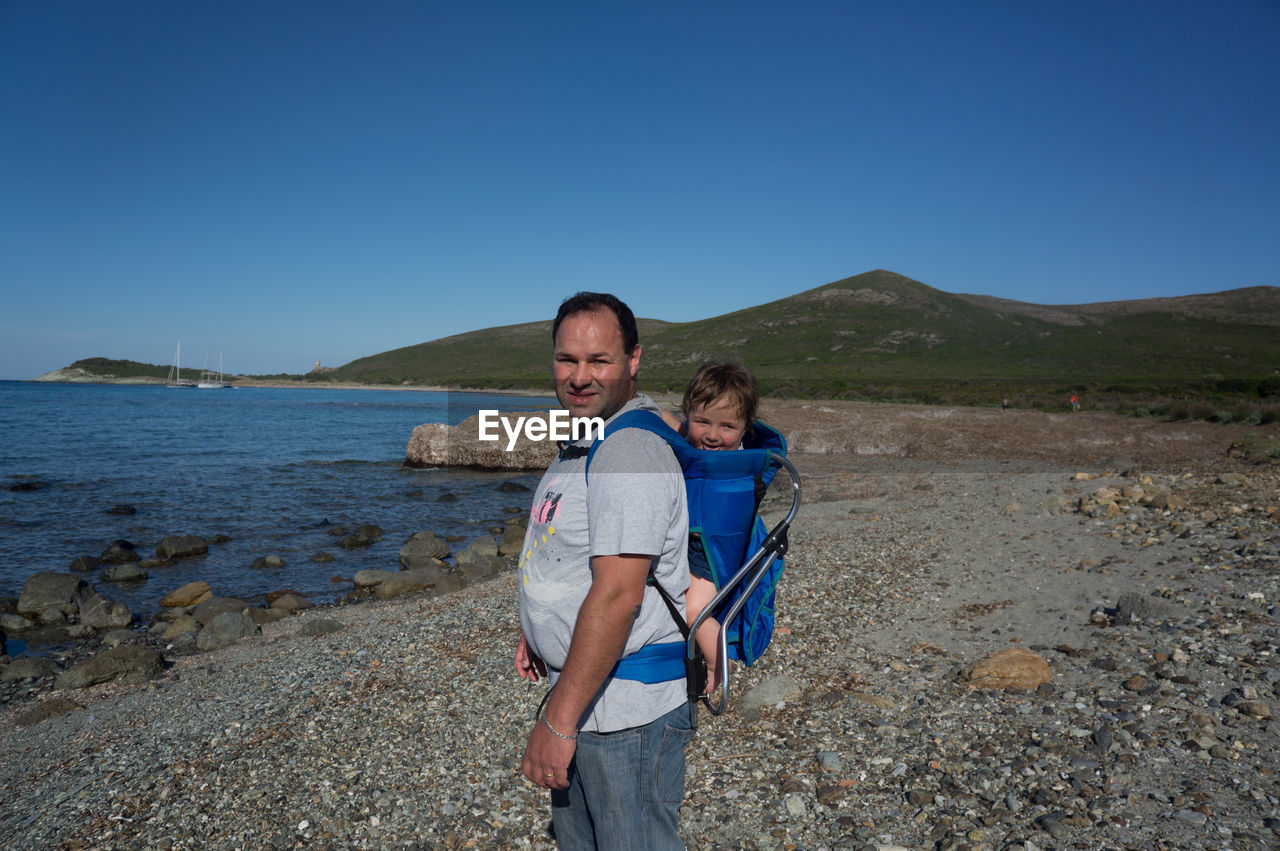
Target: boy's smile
x,y
716,426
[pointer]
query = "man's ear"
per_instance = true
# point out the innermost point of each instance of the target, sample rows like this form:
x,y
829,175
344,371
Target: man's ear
x,y
633,362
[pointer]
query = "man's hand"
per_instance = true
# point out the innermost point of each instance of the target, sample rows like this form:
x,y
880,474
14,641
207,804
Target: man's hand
x,y
547,757
528,665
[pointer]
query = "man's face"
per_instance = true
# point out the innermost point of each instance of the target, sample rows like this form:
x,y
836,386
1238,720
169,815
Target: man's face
x,y
594,377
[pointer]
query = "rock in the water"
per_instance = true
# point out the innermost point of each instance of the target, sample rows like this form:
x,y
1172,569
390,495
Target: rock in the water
x,y
128,572
191,594
363,536
129,663
1011,668
422,549
268,561
84,564
122,510
321,557
50,592
226,628
181,546
120,552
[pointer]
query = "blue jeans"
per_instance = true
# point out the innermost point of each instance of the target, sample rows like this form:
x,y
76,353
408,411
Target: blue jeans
x,y
625,788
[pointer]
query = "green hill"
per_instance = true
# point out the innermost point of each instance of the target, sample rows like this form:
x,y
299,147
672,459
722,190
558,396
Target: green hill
x,y
880,334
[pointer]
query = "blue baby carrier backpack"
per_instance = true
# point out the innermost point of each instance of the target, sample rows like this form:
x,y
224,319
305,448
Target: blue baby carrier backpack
x,y
726,533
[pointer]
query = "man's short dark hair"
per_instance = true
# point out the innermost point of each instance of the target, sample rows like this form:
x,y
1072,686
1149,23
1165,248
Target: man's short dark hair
x,y
587,302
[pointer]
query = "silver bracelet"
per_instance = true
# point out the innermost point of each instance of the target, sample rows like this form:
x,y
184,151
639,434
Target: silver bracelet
x,y
557,733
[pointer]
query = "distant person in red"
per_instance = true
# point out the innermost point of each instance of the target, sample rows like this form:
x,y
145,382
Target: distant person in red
x,y
1075,402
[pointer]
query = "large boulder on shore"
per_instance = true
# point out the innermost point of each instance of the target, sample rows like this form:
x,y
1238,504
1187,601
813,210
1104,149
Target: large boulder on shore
x,y
181,546
101,614
1011,668
371,576
128,663
214,606
226,628
408,581
291,602
440,445
50,596
422,549
191,594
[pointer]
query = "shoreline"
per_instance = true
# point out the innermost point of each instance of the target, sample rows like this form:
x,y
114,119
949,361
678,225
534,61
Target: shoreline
x,y
288,385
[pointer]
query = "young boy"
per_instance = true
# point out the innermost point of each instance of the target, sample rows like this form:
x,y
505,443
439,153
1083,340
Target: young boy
x,y
718,407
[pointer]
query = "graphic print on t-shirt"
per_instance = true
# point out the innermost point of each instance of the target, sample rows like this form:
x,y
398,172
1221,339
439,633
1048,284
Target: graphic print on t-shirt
x,y
543,513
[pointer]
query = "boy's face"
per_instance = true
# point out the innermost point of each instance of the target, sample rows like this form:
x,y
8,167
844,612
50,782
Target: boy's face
x,y
716,426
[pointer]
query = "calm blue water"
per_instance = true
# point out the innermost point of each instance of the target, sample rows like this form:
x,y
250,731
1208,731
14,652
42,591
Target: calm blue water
x,y
267,467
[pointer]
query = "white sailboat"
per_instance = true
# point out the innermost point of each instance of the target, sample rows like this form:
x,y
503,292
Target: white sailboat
x,y
175,379
212,380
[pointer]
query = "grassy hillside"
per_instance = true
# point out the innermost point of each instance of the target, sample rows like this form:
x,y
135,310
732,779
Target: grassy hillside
x,y
107,367
881,334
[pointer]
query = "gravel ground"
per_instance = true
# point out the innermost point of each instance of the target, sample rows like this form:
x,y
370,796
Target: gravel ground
x,y
1141,565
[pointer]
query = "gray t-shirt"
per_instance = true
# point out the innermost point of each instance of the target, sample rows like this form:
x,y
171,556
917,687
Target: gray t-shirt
x,y
635,504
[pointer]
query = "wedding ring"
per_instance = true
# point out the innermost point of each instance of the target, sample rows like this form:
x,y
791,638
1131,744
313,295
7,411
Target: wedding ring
x,y
549,774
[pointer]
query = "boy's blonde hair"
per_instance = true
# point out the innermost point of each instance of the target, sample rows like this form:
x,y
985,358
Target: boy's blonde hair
x,y
719,381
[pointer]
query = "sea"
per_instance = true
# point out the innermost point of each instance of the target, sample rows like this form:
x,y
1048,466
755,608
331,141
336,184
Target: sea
x,y
273,469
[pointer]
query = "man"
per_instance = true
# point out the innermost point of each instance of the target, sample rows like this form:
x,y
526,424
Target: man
x,y
610,748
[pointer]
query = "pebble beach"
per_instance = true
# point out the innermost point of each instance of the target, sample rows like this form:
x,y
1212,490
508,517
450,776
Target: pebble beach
x,y
1140,564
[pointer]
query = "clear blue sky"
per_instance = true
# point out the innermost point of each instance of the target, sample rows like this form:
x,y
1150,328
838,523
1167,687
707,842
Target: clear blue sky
x,y
292,181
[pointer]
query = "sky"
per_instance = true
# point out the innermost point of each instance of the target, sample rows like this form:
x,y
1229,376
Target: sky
x,y
287,182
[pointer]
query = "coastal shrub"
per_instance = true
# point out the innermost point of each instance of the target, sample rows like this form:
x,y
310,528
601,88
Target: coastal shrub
x,y
1242,412
1202,410
1269,387
1268,414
